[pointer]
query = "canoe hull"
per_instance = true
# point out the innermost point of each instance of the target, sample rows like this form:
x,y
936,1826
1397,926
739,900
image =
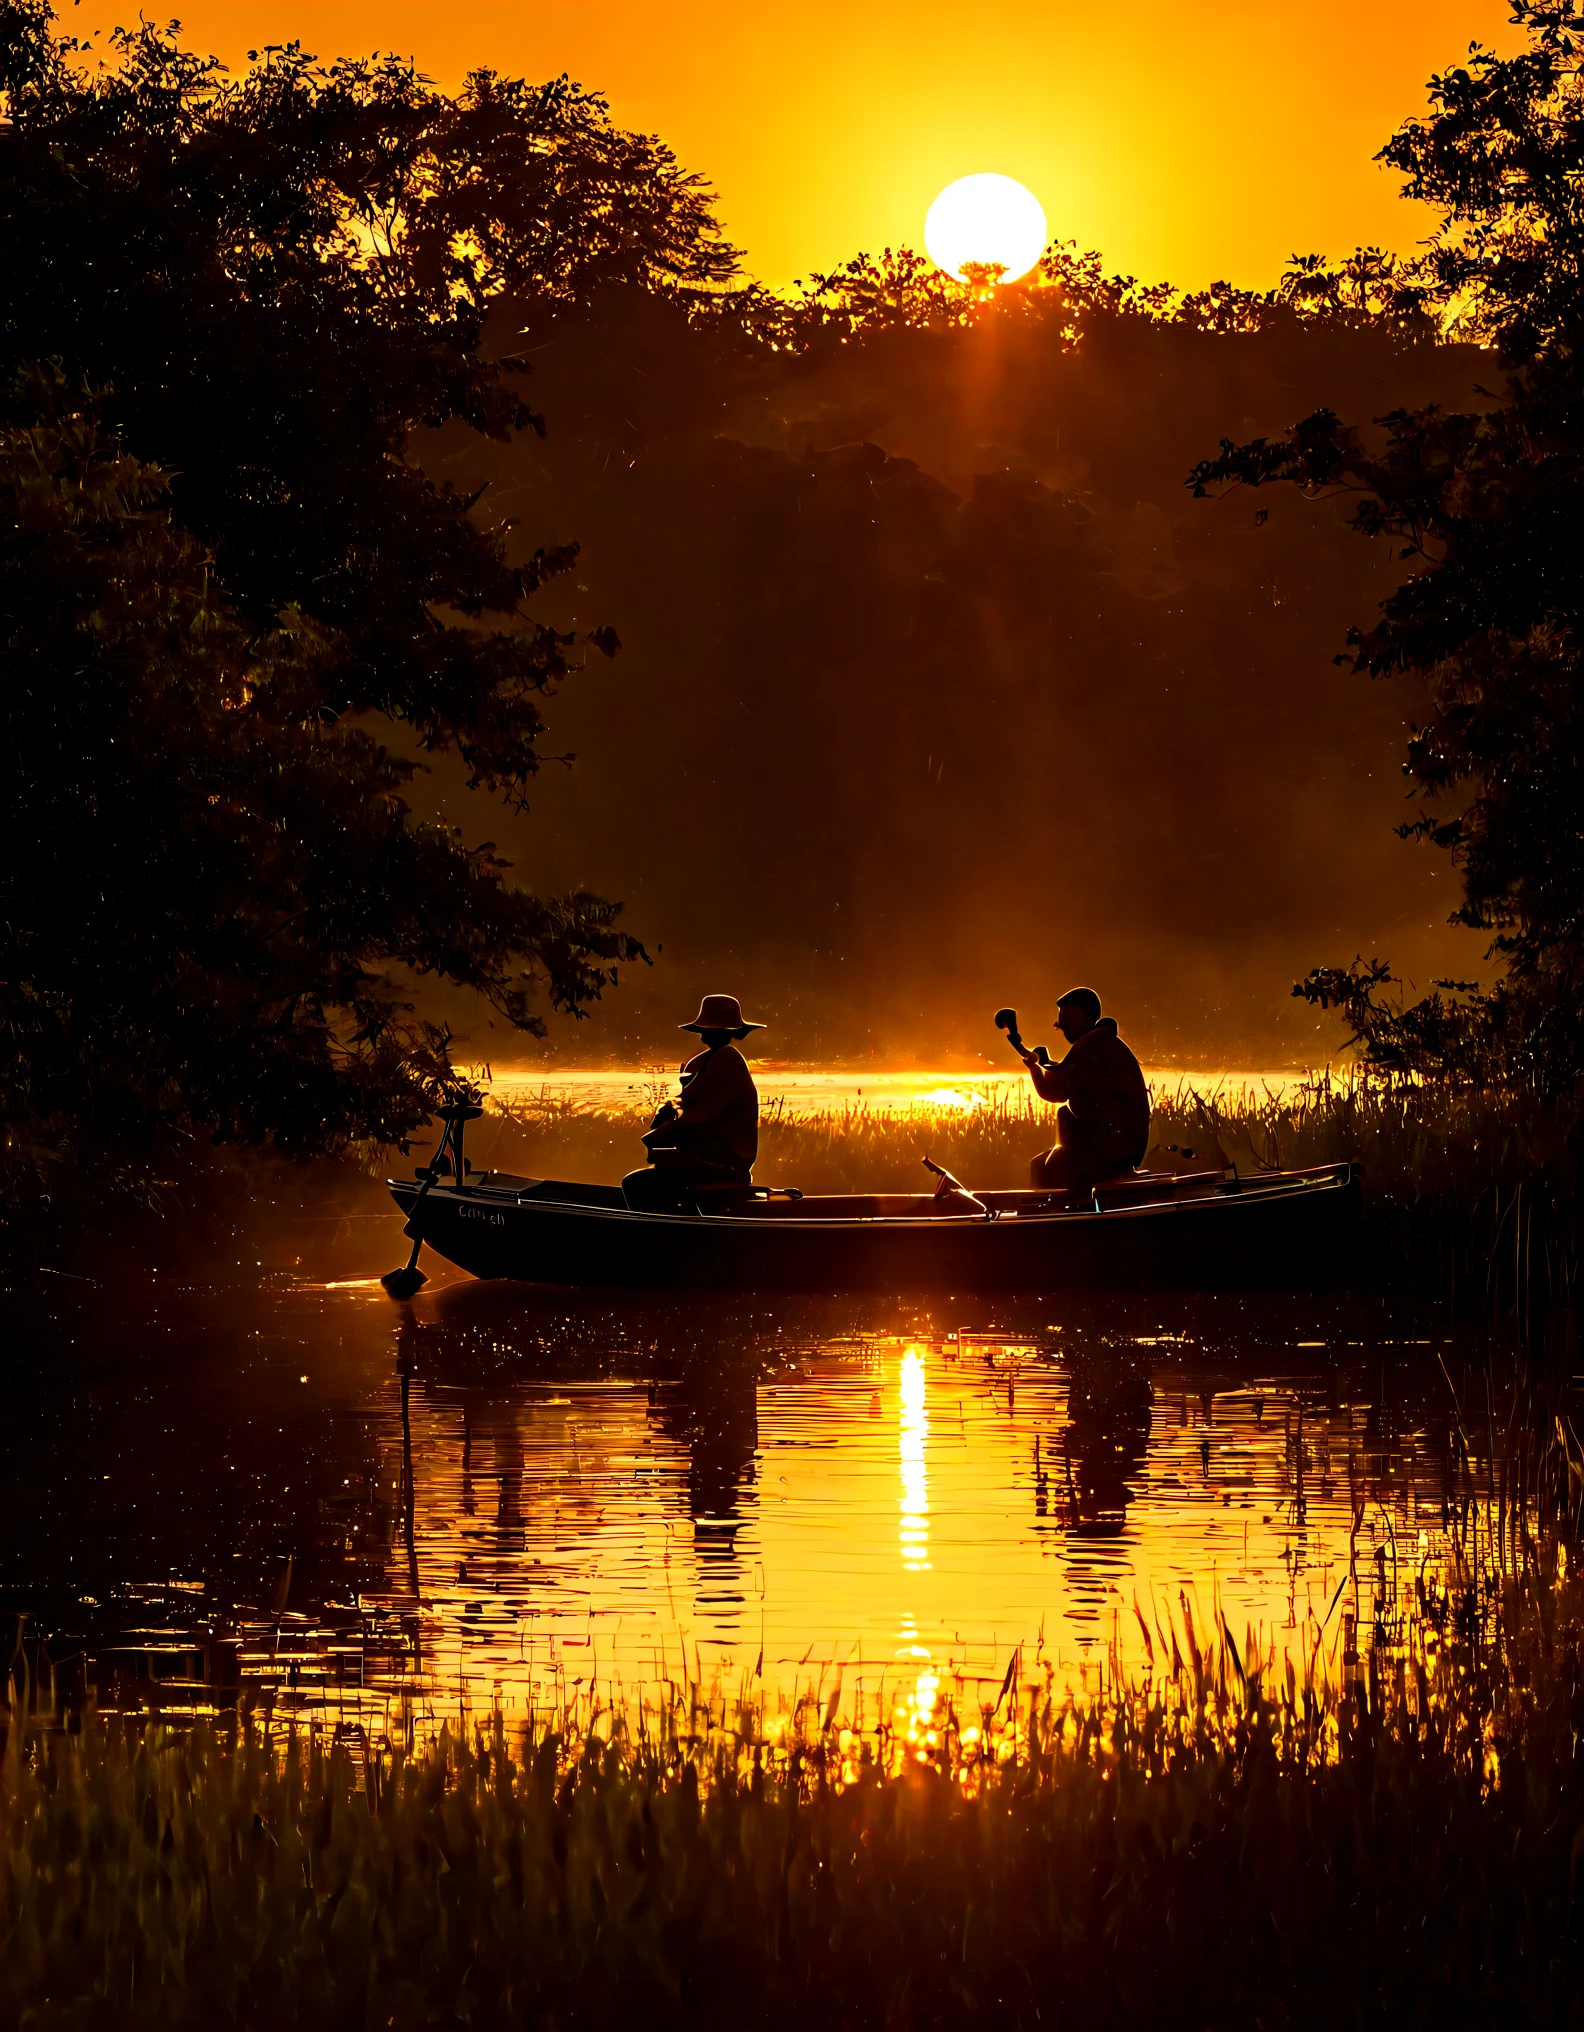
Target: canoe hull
x,y
1251,1236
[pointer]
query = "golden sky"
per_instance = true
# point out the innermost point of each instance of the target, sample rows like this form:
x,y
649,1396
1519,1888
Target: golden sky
x,y
1186,141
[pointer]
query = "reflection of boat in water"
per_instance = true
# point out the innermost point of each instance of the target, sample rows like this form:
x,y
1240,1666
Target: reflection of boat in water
x,y
1102,1448
1200,1231
693,1365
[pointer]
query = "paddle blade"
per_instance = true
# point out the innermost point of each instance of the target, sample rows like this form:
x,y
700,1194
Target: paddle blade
x,y
404,1282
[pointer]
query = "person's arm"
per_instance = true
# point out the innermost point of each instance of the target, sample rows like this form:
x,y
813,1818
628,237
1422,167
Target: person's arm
x,y
710,1093
1051,1082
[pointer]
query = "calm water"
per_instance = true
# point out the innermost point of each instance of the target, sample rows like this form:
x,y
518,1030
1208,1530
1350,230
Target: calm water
x,y
316,1497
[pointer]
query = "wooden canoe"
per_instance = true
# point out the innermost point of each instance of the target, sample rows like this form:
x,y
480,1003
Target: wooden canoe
x,y
1199,1232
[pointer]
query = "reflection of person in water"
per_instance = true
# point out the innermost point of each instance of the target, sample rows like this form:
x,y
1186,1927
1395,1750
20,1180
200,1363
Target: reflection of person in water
x,y
1082,1477
713,1411
1088,1469
704,1357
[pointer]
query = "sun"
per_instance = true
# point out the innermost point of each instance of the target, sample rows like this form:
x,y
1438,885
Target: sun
x,y
985,220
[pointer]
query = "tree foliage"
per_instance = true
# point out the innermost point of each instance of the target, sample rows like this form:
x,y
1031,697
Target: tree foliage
x,y
924,569
1068,290
223,886
1486,505
278,280
233,309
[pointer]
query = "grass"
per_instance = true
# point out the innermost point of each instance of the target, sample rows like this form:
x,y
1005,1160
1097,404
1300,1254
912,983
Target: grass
x,y
1471,1197
1222,1844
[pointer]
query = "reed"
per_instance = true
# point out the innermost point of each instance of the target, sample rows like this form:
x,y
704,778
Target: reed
x,y
1221,1843
1471,1196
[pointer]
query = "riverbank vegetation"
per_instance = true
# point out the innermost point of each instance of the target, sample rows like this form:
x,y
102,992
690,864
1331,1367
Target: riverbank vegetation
x,y
1358,1832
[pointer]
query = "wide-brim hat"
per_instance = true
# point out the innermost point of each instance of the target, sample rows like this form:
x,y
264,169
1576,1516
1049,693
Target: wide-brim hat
x,y
720,1012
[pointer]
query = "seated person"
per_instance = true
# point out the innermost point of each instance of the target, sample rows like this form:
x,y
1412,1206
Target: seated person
x,y
1103,1129
710,1139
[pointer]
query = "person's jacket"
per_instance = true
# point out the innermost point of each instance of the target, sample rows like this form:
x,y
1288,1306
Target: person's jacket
x,y
717,1130
1100,1080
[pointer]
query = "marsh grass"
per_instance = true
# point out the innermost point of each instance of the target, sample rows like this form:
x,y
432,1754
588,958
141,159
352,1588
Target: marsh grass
x,y
1219,1843
1471,1196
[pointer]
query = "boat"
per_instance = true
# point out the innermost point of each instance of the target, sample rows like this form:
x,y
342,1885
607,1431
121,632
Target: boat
x,y
1200,1230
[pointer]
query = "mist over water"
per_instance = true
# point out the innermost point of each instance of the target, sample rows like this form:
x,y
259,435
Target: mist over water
x,y
939,691
796,1090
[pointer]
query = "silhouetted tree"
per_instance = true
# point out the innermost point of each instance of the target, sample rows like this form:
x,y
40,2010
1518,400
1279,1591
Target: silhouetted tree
x,y
1069,291
278,281
213,888
1489,504
214,562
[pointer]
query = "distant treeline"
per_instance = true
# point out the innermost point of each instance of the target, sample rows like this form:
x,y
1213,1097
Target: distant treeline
x,y
938,688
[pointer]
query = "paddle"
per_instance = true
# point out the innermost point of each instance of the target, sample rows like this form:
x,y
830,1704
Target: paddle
x,y
409,1279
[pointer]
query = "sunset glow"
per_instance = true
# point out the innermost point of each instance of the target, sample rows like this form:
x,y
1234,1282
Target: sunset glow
x,y
1109,120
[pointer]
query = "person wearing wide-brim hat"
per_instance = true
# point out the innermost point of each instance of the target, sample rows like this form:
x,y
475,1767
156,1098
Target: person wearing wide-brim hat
x,y
702,1149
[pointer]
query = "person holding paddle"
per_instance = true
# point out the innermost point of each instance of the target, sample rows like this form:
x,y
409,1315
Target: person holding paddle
x,y
706,1143
1102,1128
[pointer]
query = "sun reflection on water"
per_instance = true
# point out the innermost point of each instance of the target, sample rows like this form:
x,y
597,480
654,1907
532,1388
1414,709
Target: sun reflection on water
x,y
913,1715
912,1441
915,1718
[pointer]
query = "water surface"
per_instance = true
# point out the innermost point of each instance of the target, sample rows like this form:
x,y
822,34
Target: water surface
x,y
304,1496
